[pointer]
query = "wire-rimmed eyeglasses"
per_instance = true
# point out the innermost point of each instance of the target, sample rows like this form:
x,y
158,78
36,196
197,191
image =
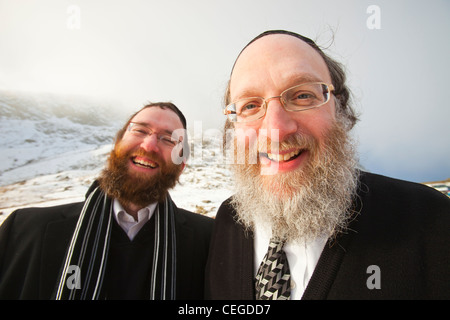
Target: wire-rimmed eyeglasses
x,y
141,131
298,98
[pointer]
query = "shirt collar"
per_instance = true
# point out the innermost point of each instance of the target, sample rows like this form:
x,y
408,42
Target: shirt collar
x,y
121,215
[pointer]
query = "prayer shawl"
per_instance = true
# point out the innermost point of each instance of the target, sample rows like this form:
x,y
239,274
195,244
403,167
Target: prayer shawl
x,y
84,266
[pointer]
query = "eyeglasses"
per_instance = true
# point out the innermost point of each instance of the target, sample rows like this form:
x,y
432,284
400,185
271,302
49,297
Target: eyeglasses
x,y
141,131
299,98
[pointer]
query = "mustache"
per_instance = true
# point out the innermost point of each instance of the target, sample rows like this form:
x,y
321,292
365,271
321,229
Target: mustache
x,y
153,156
249,152
294,141
120,155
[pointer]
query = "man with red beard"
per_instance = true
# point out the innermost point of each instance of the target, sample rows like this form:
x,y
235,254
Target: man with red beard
x,y
305,222
127,240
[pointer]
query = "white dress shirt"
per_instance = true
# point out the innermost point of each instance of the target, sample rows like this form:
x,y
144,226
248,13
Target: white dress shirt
x,y
127,222
302,259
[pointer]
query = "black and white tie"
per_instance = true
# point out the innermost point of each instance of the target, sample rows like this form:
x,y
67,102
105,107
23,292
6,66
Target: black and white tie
x,y
273,279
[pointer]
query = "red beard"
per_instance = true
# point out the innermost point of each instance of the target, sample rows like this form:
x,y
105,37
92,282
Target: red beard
x,y
118,182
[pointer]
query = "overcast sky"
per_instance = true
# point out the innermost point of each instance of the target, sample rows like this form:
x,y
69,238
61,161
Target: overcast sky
x,y
396,54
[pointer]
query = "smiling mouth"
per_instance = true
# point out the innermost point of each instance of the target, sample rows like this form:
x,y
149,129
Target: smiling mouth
x,y
283,157
144,163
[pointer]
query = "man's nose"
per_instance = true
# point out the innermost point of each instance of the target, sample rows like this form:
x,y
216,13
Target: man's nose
x,y
279,119
150,143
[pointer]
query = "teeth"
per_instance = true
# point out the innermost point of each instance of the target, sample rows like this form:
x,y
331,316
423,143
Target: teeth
x,y
144,163
282,157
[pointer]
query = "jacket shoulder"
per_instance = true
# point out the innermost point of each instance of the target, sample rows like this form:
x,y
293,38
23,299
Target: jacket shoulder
x,y
195,220
32,246
403,193
401,228
226,212
41,216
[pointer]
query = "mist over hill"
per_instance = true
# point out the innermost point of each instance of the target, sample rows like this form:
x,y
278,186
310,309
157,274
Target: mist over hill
x,y
44,134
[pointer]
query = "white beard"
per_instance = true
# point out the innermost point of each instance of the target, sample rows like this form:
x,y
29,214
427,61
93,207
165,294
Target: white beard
x,y
311,202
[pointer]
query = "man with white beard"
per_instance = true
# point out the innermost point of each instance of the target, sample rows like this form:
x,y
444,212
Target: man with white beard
x,y
305,222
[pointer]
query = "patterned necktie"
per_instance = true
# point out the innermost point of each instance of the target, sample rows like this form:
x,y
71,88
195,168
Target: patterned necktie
x,y
273,279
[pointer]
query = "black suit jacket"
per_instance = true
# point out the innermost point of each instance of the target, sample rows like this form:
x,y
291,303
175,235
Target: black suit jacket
x,y
402,228
33,244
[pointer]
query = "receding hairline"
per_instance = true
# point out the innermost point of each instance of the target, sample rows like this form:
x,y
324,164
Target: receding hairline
x,y
277,32
275,47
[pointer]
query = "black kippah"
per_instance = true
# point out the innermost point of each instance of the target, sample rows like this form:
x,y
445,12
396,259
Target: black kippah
x,y
289,33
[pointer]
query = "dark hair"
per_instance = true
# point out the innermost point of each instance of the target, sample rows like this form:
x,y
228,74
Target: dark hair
x,y
338,78
162,105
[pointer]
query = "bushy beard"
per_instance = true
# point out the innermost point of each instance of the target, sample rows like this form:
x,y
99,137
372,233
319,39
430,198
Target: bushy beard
x,y
312,201
132,188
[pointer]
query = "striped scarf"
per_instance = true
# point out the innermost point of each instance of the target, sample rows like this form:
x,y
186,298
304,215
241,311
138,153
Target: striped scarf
x,y
86,259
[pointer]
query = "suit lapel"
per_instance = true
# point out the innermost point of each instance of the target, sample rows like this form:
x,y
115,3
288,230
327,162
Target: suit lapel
x,y
327,268
247,257
229,271
332,256
184,241
186,262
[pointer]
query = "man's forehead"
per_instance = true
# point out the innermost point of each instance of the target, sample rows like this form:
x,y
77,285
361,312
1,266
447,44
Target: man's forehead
x,y
156,116
276,44
278,57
